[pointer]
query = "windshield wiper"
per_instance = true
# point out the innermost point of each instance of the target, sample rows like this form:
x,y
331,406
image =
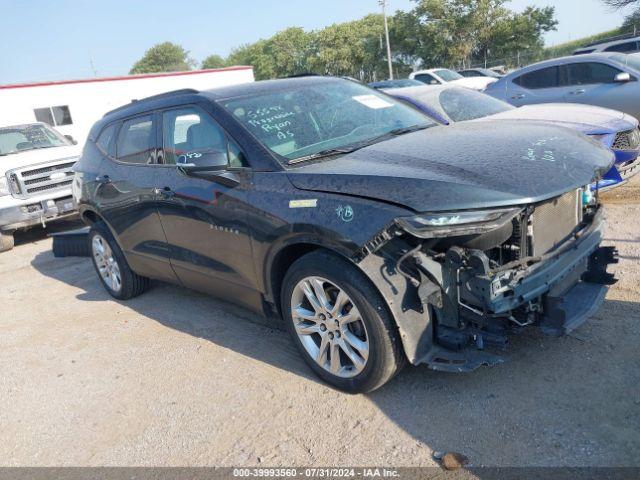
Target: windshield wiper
x,y
357,146
325,153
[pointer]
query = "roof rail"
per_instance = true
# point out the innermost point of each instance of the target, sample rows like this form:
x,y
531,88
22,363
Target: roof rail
x,y
182,91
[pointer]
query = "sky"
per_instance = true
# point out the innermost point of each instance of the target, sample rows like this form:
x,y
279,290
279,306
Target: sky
x,y
68,39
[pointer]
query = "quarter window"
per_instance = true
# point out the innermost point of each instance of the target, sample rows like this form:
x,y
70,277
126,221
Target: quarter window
x,y
105,140
135,140
591,73
545,78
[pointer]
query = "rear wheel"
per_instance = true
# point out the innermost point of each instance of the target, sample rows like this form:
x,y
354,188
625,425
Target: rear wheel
x,y
340,324
6,241
111,266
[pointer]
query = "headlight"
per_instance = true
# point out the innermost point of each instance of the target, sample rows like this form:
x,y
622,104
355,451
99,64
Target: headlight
x,y
606,139
450,224
4,187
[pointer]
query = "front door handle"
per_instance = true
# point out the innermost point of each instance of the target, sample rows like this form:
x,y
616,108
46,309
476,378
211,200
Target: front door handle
x,y
519,96
165,192
578,92
103,179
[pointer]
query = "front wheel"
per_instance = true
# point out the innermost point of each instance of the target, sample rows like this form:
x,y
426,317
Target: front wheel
x,y
340,323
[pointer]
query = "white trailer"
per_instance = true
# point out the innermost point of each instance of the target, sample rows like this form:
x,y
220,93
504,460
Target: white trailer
x,y
73,106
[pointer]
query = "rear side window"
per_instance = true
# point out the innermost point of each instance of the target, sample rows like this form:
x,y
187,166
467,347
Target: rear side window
x,y
135,140
105,140
591,73
545,78
623,47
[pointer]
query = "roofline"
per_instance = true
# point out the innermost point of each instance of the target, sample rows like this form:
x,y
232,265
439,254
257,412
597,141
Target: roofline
x,y
125,77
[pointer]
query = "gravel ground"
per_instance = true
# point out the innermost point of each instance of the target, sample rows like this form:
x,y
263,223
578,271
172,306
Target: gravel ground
x,y
177,378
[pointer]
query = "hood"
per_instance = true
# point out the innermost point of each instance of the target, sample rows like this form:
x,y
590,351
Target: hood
x,y
466,165
583,118
475,83
34,157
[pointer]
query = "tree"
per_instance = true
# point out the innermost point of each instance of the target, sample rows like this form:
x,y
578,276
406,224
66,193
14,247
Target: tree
x,y
163,57
214,61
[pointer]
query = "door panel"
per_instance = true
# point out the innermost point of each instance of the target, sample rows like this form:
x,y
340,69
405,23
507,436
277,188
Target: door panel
x,y
207,232
126,198
204,214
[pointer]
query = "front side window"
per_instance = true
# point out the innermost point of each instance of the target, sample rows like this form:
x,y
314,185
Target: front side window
x,y
29,137
545,78
591,73
136,140
307,119
192,136
426,78
462,104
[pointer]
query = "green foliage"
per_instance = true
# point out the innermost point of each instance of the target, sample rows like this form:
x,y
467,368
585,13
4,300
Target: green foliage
x,y
163,57
435,33
567,48
214,61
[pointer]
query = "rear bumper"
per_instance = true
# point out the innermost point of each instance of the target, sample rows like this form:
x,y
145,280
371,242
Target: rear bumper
x,y
16,213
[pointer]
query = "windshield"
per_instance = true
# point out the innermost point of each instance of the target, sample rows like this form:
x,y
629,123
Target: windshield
x,y
401,83
21,138
462,104
448,75
314,118
632,60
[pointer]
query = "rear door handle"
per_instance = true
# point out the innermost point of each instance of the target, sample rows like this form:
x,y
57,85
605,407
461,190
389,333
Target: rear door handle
x,y
165,192
103,179
578,92
520,96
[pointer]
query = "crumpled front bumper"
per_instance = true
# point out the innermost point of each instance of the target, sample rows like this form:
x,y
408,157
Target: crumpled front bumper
x,y
566,288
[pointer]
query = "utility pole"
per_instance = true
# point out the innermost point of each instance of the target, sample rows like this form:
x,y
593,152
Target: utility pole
x,y
383,4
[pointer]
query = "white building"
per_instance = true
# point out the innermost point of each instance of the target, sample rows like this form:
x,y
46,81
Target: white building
x,y
73,106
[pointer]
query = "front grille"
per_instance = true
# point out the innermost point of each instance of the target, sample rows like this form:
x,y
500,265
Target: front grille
x,y
31,181
629,140
555,220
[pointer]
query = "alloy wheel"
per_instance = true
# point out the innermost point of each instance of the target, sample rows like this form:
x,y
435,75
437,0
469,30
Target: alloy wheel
x,y
330,326
106,263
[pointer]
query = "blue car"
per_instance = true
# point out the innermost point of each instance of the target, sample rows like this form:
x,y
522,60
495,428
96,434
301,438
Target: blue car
x,y
616,130
609,80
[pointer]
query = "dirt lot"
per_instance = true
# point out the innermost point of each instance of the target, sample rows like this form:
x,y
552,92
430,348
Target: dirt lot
x,y
177,378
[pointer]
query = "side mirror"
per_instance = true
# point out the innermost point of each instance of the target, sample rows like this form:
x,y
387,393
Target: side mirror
x,y
71,139
622,77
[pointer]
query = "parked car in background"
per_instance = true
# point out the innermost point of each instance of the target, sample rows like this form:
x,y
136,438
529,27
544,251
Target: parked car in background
x,y
607,80
35,178
440,76
628,45
397,83
615,130
479,72
378,236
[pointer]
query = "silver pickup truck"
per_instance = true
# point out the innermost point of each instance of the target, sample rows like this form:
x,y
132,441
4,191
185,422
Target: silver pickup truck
x,y
35,178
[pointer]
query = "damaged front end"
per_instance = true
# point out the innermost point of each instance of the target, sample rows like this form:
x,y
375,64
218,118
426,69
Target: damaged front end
x,y
477,277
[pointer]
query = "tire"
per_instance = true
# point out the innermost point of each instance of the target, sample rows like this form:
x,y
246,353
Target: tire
x,y
128,284
374,332
71,245
6,241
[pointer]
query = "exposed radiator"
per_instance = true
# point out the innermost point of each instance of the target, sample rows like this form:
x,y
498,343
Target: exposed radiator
x,y
555,220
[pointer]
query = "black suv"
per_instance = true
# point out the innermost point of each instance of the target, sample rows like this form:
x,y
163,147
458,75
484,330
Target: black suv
x,y
379,237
